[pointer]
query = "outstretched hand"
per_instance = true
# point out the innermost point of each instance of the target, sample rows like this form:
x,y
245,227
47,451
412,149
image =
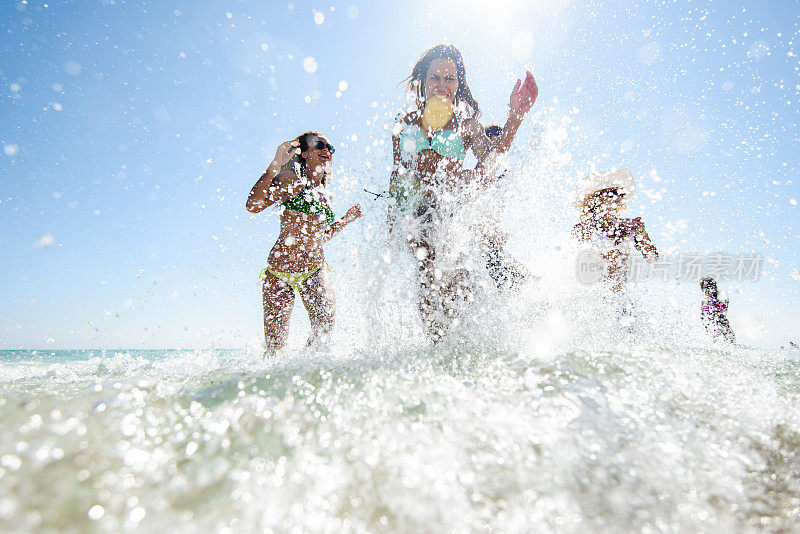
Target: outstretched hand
x,y
286,151
353,213
524,94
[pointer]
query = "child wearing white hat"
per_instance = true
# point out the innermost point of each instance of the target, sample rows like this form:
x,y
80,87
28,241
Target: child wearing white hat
x,y
600,197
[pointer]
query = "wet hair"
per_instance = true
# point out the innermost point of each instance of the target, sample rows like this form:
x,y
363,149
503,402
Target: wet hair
x,y
590,204
416,82
493,130
709,286
298,163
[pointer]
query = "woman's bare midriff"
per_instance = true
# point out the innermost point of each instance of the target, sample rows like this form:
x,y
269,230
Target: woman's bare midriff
x,y
299,245
436,174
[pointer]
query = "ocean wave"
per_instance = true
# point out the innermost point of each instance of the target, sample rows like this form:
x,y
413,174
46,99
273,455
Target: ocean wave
x,y
456,438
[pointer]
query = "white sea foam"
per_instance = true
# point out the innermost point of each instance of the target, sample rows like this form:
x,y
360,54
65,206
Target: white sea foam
x,y
462,437
543,407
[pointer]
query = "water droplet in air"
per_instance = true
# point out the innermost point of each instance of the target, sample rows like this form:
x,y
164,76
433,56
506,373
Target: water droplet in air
x,y
310,65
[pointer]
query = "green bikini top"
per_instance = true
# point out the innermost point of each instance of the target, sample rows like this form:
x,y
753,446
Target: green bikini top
x,y
304,202
446,143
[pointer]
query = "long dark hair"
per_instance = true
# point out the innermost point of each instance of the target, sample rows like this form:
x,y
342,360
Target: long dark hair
x,y
416,82
298,160
709,286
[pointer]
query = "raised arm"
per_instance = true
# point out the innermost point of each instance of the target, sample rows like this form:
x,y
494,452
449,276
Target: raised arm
x,y
269,189
522,98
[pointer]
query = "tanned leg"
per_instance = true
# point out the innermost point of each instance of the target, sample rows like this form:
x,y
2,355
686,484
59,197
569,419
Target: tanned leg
x,y
429,295
278,298
320,302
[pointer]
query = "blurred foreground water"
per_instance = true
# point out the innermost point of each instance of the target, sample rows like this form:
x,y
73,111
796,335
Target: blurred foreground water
x,y
453,439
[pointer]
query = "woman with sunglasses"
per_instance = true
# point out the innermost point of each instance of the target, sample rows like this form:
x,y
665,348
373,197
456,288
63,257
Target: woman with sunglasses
x,y
601,197
297,180
429,145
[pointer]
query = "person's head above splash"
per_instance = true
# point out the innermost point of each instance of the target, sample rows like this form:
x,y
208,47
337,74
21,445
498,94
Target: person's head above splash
x,y
604,194
439,76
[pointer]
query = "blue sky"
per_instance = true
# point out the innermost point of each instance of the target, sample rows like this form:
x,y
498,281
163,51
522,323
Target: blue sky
x,y
132,132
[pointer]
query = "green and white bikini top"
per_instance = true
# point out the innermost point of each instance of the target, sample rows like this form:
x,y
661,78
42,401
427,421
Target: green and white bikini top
x,y
305,202
446,143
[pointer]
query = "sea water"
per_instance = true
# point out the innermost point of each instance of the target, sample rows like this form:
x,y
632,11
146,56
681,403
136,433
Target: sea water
x,y
463,437
542,410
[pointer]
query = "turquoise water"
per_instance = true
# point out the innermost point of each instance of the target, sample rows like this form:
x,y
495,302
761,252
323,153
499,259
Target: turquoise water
x,y
459,438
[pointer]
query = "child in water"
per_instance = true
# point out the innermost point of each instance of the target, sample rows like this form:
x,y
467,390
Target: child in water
x,y
713,310
601,197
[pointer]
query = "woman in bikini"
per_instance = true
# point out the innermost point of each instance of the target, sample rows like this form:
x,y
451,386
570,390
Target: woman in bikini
x,y
297,179
429,146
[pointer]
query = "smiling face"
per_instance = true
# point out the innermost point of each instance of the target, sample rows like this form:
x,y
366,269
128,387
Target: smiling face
x,y
441,80
319,153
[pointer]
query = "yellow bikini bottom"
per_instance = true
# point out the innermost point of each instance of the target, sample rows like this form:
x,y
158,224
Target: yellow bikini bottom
x,y
295,280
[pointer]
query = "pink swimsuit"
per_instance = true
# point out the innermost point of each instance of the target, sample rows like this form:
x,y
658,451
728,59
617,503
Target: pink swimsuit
x,y
714,306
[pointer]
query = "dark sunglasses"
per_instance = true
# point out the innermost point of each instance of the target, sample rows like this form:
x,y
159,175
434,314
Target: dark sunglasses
x,y
319,145
611,193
